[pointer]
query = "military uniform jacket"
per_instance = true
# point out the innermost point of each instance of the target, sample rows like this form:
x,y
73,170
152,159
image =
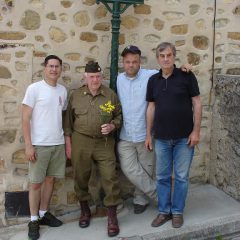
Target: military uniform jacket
x,y
84,115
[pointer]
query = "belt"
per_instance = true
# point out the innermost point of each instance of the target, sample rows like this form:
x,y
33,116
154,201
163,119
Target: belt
x,y
90,136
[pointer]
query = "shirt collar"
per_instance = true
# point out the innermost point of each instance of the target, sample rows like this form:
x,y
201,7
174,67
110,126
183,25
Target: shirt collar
x,y
101,91
173,73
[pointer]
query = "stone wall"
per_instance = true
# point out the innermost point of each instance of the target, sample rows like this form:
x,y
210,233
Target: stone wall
x,y
79,30
225,143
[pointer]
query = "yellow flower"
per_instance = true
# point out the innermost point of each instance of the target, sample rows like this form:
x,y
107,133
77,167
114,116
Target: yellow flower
x,y
107,107
106,111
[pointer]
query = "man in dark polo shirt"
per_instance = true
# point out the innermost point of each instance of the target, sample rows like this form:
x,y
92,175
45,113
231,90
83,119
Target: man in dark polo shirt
x,y
174,118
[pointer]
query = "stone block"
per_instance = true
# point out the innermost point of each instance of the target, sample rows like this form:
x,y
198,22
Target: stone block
x,y
171,15
5,72
158,24
72,56
88,37
58,184
232,58
12,121
7,136
19,157
2,164
11,35
222,22
54,199
20,54
100,12
80,69
81,18
66,4
40,54
51,16
6,92
193,58
30,20
10,107
142,9
152,38
236,10
39,38
12,187
72,198
130,22
201,42
103,26
23,172
21,66
47,47
193,9
66,67
234,35
200,24
57,34
233,71
94,50
179,43
67,80
63,17
6,57
121,39
89,2
179,29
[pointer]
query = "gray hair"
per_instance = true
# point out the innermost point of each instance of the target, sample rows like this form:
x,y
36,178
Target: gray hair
x,y
164,45
86,73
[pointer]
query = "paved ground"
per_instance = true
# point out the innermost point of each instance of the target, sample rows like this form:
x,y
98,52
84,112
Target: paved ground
x,y
209,214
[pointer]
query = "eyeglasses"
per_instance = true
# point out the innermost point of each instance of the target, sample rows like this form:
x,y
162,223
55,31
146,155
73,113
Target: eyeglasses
x,y
53,66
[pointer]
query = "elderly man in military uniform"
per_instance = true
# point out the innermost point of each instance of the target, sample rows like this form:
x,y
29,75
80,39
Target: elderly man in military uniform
x,y
88,135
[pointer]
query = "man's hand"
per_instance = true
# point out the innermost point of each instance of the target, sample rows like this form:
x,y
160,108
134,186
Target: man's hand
x,y
31,153
107,128
68,147
148,143
193,139
186,67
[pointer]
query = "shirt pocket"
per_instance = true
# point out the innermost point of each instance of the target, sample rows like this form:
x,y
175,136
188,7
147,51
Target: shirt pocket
x,y
81,116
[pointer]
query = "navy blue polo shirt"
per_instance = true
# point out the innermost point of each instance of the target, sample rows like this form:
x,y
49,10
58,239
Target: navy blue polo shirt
x,y
173,117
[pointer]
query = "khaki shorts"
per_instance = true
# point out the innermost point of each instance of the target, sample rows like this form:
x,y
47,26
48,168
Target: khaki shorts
x,y
51,161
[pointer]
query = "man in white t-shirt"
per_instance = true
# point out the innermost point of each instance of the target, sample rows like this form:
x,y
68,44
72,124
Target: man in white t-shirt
x,y
42,109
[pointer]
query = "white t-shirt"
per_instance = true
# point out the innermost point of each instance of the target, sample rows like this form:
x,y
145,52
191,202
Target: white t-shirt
x,y
47,103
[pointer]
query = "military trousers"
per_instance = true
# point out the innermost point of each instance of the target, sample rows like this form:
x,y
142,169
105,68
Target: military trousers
x,y
85,151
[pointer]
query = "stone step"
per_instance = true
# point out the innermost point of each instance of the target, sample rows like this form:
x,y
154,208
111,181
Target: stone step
x,y
209,214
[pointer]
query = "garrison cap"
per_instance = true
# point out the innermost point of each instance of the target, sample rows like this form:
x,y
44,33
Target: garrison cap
x,y
92,67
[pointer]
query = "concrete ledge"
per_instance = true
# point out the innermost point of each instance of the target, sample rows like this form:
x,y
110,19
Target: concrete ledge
x,y
224,227
209,213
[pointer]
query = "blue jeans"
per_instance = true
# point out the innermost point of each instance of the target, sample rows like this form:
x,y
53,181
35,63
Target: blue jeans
x,y
177,155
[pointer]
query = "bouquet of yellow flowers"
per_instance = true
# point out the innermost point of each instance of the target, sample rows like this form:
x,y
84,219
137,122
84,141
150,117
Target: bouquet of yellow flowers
x,y
106,112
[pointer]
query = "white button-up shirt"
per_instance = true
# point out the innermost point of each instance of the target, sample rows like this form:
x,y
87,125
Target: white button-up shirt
x,y
132,95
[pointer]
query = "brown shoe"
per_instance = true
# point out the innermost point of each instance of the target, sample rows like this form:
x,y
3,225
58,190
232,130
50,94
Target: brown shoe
x,y
85,215
161,219
112,228
177,220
